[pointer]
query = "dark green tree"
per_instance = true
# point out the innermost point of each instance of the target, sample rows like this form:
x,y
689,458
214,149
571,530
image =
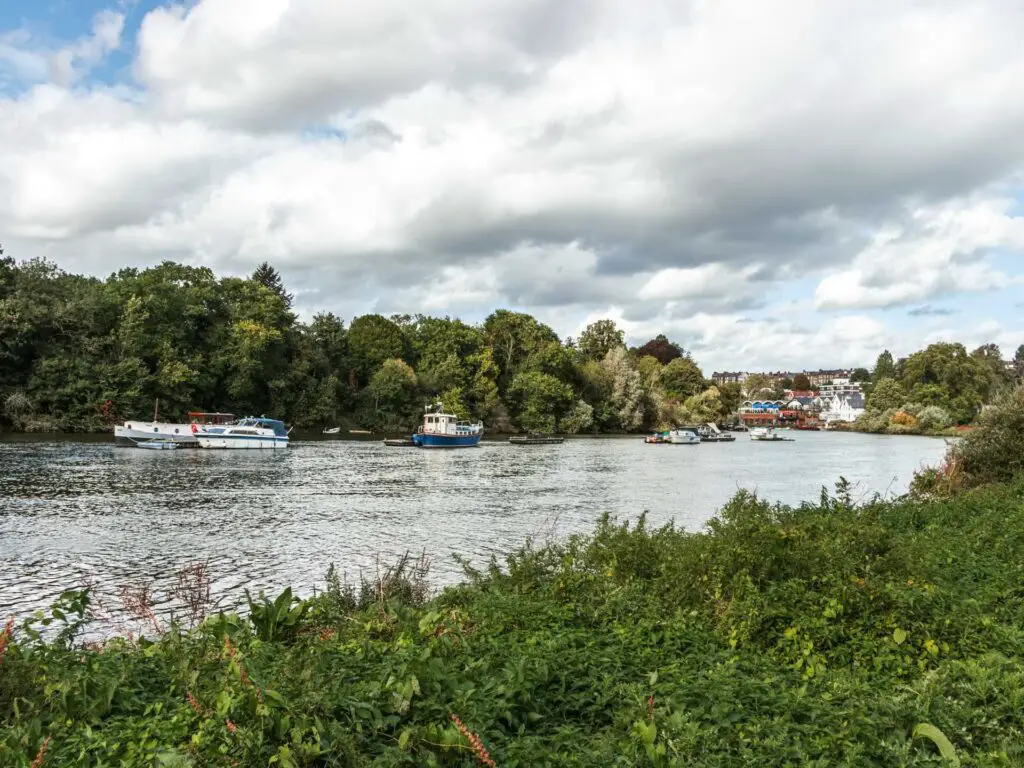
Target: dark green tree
x,y
270,279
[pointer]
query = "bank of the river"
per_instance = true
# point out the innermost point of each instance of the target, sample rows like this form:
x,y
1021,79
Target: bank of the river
x,y
831,634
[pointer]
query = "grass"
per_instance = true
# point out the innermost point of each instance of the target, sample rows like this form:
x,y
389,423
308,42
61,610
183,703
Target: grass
x,y
890,633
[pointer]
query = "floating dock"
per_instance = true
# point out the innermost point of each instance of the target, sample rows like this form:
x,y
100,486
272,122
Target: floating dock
x,y
536,440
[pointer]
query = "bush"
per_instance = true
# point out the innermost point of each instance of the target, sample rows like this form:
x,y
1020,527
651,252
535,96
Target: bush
x,y
903,419
994,450
933,418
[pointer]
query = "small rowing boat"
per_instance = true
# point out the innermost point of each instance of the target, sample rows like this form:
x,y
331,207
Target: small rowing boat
x,y
157,445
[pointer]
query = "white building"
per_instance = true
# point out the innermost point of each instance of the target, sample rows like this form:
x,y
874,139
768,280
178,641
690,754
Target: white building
x,y
842,407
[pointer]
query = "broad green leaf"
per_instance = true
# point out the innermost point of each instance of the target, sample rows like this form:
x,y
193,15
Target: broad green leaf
x,y
946,749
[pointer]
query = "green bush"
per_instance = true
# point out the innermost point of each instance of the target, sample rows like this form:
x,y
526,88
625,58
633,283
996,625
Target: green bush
x,y
994,450
933,418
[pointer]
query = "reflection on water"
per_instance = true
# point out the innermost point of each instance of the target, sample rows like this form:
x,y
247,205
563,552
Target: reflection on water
x,y
76,512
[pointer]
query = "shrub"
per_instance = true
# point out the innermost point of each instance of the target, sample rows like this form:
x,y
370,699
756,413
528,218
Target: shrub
x,y
903,419
933,418
994,450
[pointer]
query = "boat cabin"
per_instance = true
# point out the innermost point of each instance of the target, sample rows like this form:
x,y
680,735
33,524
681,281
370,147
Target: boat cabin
x,y
202,418
440,424
263,423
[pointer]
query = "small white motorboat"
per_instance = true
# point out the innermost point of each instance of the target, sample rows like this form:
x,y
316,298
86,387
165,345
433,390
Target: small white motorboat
x,y
250,433
158,445
768,435
333,431
674,437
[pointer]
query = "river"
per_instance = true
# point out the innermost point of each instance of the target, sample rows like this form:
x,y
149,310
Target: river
x,y
87,512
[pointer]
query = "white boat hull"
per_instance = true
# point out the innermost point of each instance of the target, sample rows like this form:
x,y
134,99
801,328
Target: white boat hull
x,y
244,443
131,432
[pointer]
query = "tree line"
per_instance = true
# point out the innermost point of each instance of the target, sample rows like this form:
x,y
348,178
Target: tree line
x,y
79,353
938,387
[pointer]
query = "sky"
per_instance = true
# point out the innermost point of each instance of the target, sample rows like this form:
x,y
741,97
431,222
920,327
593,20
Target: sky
x,y
774,185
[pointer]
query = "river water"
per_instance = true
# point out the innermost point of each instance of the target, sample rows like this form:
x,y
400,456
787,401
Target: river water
x,y
86,512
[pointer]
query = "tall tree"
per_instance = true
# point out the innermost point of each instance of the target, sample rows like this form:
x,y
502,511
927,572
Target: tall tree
x,y
885,368
270,279
801,382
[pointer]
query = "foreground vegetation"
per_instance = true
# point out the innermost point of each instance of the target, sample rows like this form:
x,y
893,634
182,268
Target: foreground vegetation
x,y
890,633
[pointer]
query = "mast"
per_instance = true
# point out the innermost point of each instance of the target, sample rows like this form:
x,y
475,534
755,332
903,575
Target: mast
x,y
156,409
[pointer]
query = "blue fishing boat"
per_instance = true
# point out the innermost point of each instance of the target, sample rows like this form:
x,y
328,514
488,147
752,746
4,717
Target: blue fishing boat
x,y
444,430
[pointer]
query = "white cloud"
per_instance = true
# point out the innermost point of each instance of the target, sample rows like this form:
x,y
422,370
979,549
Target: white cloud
x,y
939,250
668,160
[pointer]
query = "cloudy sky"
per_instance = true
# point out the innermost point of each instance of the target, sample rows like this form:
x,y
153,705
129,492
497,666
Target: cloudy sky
x,y
773,184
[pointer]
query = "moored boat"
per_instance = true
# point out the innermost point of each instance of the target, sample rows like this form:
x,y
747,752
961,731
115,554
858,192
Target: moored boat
x,y
535,439
674,437
710,433
768,435
130,433
158,445
332,431
444,430
248,434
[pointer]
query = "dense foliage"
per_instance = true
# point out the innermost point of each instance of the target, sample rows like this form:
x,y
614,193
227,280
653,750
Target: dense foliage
x,y
936,388
79,353
830,634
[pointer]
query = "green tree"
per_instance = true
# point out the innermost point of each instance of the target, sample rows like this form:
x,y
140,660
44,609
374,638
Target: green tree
x,y
703,407
682,379
540,400
885,368
270,279
860,375
392,394
513,337
372,339
600,338
801,382
887,394
964,380
731,397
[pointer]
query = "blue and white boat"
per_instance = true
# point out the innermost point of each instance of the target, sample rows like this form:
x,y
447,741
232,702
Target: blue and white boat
x,y
250,433
444,430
